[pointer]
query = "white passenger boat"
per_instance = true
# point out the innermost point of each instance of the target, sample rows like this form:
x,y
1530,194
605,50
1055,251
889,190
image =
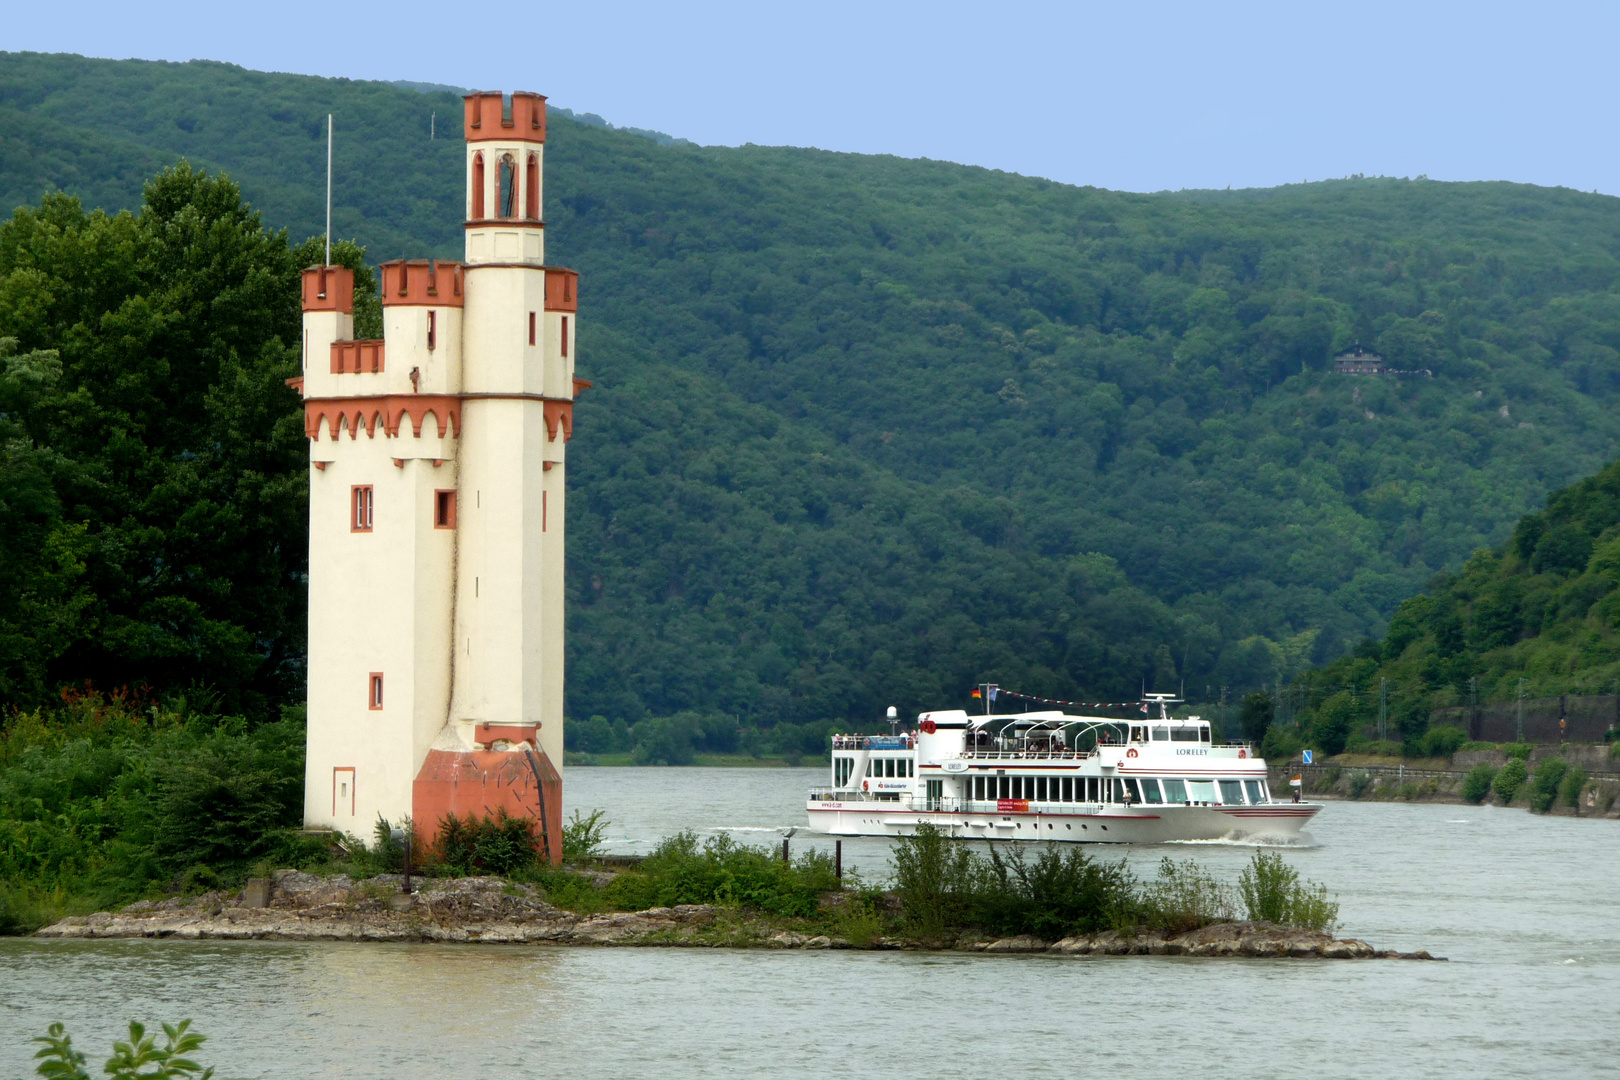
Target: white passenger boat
x,y
1051,776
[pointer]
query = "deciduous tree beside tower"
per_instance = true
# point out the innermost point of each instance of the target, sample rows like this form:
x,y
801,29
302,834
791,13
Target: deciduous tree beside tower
x,y
436,513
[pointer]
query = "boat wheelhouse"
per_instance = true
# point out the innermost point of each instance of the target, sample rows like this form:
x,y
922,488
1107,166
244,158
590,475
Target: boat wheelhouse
x,y
1051,776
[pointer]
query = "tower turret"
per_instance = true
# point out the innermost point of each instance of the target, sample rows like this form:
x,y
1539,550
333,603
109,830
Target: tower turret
x,y
506,144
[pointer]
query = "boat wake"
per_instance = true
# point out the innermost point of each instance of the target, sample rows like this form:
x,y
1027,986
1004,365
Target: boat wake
x,y
1302,840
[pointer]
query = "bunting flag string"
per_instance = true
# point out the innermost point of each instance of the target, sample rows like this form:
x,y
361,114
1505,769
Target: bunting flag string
x,y
1142,705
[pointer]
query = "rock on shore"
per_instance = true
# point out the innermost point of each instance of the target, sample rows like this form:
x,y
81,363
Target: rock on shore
x,y
1260,939
303,907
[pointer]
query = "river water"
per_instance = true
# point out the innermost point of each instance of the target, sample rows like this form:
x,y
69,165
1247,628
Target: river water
x,y
1526,908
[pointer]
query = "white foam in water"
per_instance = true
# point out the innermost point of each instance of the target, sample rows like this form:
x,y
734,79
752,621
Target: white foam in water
x,y
1303,840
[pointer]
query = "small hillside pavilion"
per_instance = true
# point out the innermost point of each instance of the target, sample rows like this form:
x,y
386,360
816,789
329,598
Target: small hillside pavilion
x,y
436,513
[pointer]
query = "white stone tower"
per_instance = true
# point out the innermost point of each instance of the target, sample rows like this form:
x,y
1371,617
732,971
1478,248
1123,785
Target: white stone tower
x,y
436,513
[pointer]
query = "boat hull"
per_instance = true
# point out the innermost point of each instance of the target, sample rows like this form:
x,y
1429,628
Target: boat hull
x,y
1109,825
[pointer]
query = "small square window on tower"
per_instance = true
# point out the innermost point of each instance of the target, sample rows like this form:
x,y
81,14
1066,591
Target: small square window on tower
x,y
444,509
374,699
360,516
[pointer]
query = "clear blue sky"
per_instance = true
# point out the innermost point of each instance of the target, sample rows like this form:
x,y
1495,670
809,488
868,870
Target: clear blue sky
x,y
1140,96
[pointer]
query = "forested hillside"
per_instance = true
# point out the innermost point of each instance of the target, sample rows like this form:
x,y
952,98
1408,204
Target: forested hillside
x,y
868,430
1544,607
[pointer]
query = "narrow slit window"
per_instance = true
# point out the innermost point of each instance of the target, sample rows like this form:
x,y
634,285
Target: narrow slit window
x,y
531,194
374,693
478,187
444,509
361,501
531,328
433,330
508,181
565,337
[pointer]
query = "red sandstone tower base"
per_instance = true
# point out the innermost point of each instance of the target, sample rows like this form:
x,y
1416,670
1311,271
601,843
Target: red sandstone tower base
x,y
519,780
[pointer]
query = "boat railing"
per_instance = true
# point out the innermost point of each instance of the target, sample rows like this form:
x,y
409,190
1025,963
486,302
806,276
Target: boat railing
x,y
1027,755
873,742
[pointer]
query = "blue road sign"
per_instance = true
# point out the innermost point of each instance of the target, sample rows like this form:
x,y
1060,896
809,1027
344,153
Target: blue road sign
x,y
1307,757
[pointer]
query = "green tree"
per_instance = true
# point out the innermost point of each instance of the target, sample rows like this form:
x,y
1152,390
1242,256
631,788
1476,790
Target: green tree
x,y
1335,719
146,378
1258,712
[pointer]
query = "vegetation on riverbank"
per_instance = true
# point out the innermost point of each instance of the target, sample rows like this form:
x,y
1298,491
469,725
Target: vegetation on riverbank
x,y
107,800
102,805
1537,615
944,886
1543,780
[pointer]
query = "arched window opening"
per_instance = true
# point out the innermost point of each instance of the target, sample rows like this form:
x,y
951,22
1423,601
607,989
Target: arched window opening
x,y
508,192
478,187
531,199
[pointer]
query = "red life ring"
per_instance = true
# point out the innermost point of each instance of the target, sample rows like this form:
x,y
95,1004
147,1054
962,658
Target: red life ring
x,y
928,727
866,785
1131,752
1242,752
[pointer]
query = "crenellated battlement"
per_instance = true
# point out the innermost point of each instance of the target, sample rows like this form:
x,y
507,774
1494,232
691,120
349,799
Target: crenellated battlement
x,y
492,116
358,357
329,288
423,283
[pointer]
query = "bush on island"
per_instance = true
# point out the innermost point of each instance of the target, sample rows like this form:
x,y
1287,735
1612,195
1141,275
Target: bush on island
x,y
1272,891
722,871
944,886
1477,784
1549,774
1569,790
493,844
1509,779
1442,741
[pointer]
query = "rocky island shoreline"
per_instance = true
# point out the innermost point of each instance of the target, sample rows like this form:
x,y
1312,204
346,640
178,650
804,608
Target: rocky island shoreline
x,y
296,906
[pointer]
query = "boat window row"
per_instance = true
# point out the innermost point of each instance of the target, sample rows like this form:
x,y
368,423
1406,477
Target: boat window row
x,y
1165,733
886,767
1156,791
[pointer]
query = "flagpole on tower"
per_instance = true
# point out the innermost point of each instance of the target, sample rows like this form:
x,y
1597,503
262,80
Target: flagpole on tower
x,y
328,189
